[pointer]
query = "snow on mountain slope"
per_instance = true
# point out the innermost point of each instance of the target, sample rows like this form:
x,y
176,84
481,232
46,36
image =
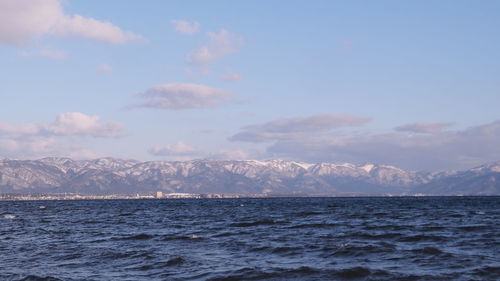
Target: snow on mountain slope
x,y
118,176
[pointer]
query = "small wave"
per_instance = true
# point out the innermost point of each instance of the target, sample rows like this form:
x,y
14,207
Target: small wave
x,y
225,234
354,251
143,255
72,256
285,249
307,214
274,274
174,261
421,237
259,249
39,278
253,223
433,228
145,267
354,272
181,237
314,225
428,251
9,217
125,214
389,227
370,236
488,271
142,236
473,227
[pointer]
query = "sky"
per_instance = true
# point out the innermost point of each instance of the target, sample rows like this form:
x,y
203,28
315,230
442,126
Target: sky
x,y
414,84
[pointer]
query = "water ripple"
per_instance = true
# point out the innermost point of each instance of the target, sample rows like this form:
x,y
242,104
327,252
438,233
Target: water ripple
x,y
437,238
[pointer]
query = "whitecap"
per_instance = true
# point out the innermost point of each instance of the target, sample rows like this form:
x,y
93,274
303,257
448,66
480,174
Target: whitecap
x,y
10,217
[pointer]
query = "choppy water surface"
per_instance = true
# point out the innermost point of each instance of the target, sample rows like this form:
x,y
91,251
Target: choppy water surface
x,y
252,239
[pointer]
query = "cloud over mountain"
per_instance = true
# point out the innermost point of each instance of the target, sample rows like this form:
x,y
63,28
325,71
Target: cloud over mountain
x,y
177,149
295,127
41,139
66,124
452,149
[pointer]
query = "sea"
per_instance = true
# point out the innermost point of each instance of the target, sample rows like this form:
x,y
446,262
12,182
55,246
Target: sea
x,y
383,238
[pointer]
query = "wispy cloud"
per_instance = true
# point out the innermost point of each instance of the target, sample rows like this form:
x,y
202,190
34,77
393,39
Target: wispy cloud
x,y
186,27
425,127
458,149
79,124
219,45
24,20
181,96
296,127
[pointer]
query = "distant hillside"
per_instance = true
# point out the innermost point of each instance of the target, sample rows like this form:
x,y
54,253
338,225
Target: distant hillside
x,y
483,180
118,176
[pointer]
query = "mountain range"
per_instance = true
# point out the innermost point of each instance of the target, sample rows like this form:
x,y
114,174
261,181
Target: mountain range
x,y
117,176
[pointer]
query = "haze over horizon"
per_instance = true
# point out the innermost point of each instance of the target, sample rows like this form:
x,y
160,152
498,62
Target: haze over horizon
x,y
409,84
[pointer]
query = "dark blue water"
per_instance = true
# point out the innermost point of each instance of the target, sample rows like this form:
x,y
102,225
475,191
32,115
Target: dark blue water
x,y
450,238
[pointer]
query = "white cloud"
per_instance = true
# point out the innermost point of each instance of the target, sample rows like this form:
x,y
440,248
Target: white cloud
x,y
21,130
53,54
104,68
220,44
186,27
425,127
66,124
177,149
232,77
180,96
79,124
22,21
296,127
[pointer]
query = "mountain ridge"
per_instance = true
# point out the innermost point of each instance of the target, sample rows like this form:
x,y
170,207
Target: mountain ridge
x,y
126,176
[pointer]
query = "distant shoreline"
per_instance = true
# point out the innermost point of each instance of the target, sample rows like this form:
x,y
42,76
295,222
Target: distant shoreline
x,y
26,197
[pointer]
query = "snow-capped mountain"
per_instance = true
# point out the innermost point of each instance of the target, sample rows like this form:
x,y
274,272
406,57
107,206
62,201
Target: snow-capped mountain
x,y
118,176
482,180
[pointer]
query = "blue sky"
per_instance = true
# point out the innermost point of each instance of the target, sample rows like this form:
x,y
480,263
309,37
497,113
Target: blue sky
x,y
407,83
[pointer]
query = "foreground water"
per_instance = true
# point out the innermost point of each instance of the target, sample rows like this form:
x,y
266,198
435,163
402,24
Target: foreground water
x,y
448,238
